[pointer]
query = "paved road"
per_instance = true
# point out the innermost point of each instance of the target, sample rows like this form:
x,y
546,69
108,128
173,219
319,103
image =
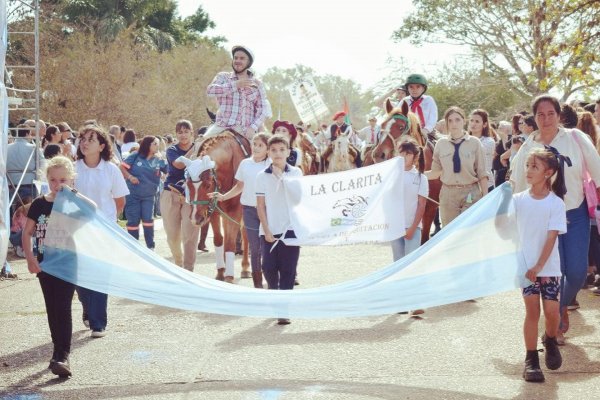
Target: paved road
x,y
469,350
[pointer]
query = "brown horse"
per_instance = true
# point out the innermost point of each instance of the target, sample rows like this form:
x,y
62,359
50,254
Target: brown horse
x,y
395,129
213,170
310,158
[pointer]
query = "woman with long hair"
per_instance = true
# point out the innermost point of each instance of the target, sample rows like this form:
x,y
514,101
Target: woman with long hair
x,y
479,127
459,162
577,153
142,170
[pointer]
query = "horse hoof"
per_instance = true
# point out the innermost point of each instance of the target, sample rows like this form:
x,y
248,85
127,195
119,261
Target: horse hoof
x,y
246,275
229,279
220,274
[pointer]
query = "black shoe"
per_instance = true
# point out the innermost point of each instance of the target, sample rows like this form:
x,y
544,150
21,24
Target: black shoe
x,y
532,371
61,368
552,356
283,321
52,362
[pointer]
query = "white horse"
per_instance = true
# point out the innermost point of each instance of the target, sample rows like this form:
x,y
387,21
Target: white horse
x,y
340,159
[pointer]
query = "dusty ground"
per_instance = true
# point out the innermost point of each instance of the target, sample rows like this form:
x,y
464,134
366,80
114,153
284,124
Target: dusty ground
x,y
462,351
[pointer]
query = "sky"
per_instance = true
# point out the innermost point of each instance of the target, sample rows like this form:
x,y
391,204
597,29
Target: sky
x,y
349,39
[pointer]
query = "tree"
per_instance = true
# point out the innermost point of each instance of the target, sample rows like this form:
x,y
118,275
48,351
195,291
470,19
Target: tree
x,y
541,45
152,22
471,88
128,84
333,90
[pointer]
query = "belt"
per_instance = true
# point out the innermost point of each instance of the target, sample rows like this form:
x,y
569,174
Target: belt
x,y
460,186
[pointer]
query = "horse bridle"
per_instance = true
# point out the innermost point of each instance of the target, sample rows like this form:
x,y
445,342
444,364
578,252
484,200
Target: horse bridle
x,y
213,204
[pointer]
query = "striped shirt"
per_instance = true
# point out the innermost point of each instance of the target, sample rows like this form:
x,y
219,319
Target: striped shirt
x,y
247,107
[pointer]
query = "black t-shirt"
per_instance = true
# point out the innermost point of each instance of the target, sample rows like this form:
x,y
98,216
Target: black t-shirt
x,y
40,213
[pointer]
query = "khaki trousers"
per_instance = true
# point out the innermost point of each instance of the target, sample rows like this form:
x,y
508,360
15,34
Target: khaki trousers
x,y
215,129
179,228
454,200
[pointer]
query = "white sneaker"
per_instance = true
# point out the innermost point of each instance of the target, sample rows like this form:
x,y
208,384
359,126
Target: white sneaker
x,y
19,251
98,334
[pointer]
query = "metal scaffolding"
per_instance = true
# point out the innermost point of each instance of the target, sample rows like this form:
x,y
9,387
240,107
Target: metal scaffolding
x,y
23,93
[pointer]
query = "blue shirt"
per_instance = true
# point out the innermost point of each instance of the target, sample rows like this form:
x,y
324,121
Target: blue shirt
x,y
174,174
148,173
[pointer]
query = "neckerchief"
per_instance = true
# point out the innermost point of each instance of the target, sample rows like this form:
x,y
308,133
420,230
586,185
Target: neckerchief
x,y
415,106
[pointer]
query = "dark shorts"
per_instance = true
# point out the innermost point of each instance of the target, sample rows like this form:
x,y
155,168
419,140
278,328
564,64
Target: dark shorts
x,y
547,286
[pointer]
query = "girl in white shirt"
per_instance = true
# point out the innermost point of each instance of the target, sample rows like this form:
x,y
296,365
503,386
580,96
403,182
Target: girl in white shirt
x,y
101,181
541,217
246,179
416,190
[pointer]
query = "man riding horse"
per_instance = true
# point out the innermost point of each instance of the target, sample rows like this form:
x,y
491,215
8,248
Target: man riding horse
x,y
337,129
243,103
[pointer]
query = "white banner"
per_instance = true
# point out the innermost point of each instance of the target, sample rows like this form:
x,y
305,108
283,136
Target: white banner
x,y
355,206
307,100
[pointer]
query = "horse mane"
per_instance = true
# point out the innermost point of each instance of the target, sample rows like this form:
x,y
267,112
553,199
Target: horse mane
x,y
208,144
415,129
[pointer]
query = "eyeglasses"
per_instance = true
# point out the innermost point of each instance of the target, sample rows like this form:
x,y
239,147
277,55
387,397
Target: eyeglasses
x,y
521,123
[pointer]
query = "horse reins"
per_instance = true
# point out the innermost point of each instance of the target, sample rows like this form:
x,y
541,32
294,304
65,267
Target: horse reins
x,y
213,204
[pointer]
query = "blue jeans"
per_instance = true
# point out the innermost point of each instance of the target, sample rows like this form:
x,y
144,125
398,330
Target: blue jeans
x,y
279,265
573,248
403,246
141,208
95,305
251,223
15,238
157,199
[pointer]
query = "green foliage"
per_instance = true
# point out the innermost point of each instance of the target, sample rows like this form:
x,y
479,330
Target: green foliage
x,y
333,90
152,22
471,88
540,45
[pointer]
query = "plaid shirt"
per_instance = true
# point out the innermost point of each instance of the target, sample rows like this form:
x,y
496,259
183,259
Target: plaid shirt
x,y
244,108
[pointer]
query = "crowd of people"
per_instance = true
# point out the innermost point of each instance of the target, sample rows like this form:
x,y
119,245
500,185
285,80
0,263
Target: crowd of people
x,y
546,154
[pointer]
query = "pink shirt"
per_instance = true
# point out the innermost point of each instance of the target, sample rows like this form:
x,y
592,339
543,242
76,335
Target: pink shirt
x,y
247,107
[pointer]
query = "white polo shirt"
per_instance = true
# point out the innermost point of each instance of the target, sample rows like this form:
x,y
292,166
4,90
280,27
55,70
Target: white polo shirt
x,y
102,184
247,173
271,188
415,185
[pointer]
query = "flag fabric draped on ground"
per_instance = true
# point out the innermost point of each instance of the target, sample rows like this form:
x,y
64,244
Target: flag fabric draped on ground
x,y
355,206
474,256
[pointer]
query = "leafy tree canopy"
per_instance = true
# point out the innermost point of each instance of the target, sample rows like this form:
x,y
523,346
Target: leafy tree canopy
x,y
540,45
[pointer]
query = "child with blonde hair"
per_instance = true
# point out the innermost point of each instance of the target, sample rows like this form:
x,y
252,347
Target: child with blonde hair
x,y
58,294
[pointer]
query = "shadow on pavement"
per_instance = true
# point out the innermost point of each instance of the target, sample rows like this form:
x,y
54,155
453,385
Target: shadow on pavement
x,y
39,354
389,329
264,389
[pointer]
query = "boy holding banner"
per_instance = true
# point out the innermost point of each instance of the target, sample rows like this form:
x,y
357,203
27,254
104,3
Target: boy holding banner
x,y
279,260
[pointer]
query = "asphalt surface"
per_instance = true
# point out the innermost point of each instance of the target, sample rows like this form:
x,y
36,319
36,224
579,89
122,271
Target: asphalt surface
x,y
468,350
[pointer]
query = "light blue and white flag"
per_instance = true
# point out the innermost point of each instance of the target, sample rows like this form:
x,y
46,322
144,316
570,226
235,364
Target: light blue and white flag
x,y
476,255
